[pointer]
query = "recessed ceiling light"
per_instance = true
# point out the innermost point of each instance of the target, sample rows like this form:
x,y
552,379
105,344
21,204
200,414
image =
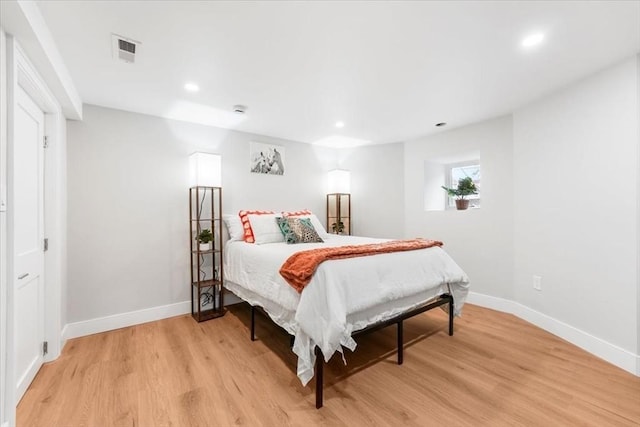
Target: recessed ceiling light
x,y
532,40
441,124
339,124
191,87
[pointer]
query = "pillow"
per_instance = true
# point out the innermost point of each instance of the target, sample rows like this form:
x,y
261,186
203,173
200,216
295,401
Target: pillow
x,y
303,230
265,228
303,212
234,227
317,225
287,232
247,232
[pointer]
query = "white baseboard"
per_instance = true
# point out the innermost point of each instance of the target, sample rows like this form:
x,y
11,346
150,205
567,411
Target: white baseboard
x,y
620,357
117,321
494,303
611,353
64,337
122,320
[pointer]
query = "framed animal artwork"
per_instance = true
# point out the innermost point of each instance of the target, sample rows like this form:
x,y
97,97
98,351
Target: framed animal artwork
x,y
267,158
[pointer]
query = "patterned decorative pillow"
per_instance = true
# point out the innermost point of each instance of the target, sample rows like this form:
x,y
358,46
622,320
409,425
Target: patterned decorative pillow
x,y
306,213
246,224
303,212
303,230
287,232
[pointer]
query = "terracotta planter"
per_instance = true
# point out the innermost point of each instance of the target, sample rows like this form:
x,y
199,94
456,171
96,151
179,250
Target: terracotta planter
x,y
462,204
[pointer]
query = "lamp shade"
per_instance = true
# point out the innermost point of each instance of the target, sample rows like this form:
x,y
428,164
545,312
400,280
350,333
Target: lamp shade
x,y
205,170
339,181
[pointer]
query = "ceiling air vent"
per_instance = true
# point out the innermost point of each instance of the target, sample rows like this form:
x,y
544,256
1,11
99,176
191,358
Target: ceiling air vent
x,y
124,49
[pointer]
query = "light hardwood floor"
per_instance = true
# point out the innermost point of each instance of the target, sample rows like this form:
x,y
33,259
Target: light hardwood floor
x,y
496,370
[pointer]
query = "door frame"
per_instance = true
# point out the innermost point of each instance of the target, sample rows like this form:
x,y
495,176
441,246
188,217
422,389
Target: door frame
x,y
21,73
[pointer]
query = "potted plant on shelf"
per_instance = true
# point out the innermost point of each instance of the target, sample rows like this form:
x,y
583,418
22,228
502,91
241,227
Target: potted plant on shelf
x,y
338,227
466,187
204,239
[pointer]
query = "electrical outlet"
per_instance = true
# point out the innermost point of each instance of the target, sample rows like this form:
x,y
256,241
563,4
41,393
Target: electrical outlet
x,y
537,283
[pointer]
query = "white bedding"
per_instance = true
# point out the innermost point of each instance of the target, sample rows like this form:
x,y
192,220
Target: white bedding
x,y
344,295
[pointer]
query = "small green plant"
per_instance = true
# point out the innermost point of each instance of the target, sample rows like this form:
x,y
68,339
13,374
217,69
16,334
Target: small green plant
x,y
205,236
337,227
466,187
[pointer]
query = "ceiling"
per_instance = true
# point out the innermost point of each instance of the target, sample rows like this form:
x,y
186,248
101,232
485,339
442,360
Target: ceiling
x,y
389,70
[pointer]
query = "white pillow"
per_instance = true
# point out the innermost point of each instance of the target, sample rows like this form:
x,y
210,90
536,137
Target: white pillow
x,y
234,227
265,228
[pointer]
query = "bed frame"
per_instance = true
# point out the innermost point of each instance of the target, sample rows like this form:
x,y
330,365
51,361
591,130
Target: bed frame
x,y
398,320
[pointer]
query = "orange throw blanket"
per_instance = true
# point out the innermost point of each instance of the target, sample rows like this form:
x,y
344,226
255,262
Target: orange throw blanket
x,y
298,269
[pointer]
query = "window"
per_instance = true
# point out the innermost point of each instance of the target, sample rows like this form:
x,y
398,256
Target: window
x,y
446,171
457,171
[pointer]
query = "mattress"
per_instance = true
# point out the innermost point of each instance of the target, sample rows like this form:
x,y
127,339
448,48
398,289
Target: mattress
x,y
344,295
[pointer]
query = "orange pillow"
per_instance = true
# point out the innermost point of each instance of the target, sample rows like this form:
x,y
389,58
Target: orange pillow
x,y
246,225
297,213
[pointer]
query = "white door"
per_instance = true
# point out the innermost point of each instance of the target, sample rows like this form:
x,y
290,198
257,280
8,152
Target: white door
x,y
28,213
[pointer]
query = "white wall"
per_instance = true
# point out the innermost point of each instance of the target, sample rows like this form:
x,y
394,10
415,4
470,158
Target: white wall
x,y
128,210
434,178
480,240
576,205
377,189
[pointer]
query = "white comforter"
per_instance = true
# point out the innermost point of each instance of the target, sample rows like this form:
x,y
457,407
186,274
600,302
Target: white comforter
x,y
344,295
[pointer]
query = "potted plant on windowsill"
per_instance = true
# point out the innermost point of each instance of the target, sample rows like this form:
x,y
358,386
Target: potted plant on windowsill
x,y
466,187
204,239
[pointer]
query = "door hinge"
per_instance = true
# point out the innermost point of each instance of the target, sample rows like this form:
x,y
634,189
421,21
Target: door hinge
x,y
46,245
45,142
45,348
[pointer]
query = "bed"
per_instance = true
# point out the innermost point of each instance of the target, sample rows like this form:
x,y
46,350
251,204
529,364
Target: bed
x,y
345,297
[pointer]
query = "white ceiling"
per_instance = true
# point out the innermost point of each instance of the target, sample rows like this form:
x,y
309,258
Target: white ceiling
x,y
389,70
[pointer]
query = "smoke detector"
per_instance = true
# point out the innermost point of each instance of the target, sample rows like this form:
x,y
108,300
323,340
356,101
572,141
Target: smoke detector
x,y
239,109
124,48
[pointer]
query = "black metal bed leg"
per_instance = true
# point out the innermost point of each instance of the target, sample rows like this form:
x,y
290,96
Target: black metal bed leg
x,y
451,310
400,343
319,379
253,323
